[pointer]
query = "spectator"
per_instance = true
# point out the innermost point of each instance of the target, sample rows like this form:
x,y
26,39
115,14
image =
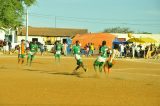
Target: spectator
x,y
4,46
133,50
42,49
65,48
121,50
92,49
9,47
138,51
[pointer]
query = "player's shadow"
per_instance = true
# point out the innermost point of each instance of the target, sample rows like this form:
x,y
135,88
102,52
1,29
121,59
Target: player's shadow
x,y
32,70
65,73
54,72
2,67
76,74
39,63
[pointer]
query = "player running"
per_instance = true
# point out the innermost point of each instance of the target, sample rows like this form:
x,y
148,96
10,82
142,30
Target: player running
x,y
21,52
99,63
76,52
58,50
33,50
110,61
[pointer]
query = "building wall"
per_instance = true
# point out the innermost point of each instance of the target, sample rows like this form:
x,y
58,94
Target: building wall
x,y
40,39
2,35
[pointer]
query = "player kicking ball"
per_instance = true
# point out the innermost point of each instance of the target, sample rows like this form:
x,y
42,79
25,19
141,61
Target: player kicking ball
x,y
76,52
99,62
33,50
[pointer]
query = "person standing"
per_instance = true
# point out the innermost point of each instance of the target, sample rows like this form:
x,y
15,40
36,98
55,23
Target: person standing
x,y
133,50
4,46
122,50
9,47
65,48
42,49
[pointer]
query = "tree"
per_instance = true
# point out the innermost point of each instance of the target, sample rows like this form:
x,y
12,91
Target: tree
x,y
12,11
118,30
144,33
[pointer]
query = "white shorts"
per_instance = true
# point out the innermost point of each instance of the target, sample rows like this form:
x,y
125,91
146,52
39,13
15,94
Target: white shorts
x,y
77,57
101,59
58,52
31,53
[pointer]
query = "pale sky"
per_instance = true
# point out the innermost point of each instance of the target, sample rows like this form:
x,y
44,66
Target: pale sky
x,y
96,15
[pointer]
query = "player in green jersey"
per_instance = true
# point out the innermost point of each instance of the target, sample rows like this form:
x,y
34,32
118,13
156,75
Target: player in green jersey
x,y
33,50
58,50
99,63
76,51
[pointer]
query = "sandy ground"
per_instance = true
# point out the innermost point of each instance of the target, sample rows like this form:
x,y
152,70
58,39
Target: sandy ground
x,y
46,83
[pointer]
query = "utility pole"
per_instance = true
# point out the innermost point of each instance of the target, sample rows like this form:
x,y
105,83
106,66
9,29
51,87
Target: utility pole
x,y
26,24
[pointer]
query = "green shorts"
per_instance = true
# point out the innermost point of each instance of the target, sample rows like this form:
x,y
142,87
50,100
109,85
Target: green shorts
x,y
79,62
57,55
21,56
109,64
97,63
30,56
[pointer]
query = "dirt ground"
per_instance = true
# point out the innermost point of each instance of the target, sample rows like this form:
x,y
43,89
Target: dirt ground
x,y
130,83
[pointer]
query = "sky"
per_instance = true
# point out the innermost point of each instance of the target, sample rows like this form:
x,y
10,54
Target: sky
x,y
97,15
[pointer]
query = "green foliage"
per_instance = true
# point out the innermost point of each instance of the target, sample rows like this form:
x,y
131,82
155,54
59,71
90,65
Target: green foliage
x,y
11,12
144,33
118,30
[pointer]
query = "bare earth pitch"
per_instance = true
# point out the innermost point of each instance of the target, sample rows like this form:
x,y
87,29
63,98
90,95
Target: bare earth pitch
x,y
130,83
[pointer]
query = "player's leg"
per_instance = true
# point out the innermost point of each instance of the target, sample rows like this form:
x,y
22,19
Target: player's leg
x,y
82,65
75,70
96,65
19,58
28,58
106,67
32,57
56,56
22,59
78,65
59,56
101,66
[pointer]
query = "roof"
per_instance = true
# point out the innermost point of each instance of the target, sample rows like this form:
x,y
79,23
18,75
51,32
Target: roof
x,y
95,38
40,31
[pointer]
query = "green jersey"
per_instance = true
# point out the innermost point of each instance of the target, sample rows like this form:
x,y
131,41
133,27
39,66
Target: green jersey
x,y
76,49
58,47
33,47
103,51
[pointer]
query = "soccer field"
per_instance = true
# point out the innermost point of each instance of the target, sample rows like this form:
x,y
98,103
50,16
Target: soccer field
x,y
46,83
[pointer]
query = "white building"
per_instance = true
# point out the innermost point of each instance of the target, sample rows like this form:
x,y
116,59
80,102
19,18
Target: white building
x,y
49,35
2,34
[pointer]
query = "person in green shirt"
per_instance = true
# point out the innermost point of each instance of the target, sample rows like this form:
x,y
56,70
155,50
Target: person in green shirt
x,y
99,63
33,50
76,51
58,50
